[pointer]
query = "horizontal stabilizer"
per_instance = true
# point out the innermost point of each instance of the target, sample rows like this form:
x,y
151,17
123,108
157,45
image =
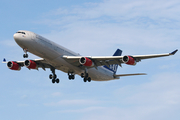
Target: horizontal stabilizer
x,y
121,75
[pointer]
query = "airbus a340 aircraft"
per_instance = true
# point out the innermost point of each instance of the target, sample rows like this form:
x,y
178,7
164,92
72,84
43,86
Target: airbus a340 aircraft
x,y
54,56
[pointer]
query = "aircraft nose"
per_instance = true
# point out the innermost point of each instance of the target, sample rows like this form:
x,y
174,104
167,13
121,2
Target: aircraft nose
x,y
22,39
15,36
18,38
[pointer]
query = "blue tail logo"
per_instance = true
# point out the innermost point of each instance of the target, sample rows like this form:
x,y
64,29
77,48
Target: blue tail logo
x,y
114,67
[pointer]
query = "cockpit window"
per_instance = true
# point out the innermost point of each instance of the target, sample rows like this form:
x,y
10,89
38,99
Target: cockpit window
x,y
21,32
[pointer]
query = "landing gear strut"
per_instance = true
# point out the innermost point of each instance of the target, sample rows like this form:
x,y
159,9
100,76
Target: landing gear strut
x,y
53,76
25,55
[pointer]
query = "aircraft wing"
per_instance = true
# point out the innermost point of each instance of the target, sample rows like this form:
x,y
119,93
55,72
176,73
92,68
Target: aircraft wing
x,y
108,60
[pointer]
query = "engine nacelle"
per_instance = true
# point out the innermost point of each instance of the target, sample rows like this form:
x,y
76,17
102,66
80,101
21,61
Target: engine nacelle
x,y
30,64
86,62
129,60
13,65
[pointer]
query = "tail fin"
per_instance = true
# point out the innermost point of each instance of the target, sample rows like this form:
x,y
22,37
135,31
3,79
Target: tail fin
x,y
114,67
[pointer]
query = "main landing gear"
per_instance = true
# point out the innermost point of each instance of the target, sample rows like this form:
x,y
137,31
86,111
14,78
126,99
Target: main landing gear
x,y
71,76
53,76
86,77
25,55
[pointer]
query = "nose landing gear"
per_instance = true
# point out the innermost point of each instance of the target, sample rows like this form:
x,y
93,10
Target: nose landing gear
x,y
25,55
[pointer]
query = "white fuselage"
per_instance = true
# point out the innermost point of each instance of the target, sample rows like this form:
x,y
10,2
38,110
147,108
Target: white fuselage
x,y
53,53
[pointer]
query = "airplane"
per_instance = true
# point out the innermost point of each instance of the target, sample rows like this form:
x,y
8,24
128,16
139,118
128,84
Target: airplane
x,y
57,57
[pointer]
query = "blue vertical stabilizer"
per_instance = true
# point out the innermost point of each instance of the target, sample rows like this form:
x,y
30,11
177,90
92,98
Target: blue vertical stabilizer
x,y
114,67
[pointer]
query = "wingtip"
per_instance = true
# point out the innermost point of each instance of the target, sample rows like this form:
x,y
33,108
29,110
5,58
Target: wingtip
x,y
143,74
174,52
4,60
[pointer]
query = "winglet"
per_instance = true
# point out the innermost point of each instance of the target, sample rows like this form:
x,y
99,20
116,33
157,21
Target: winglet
x,y
4,60
174,52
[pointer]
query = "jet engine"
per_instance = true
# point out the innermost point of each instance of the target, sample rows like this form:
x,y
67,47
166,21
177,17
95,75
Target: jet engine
x,y
129,60
13,65
30,64
86,62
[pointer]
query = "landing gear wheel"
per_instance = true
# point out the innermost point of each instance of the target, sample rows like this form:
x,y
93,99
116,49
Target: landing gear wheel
x,y
50,76
85,80
71,76
82,75
25,55
53,81
57,80
89,79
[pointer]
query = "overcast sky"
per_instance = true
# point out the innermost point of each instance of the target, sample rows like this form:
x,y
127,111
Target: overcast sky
x,y
96,27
